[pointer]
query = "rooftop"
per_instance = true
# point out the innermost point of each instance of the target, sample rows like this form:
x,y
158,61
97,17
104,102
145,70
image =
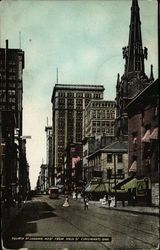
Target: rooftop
x,y
82,87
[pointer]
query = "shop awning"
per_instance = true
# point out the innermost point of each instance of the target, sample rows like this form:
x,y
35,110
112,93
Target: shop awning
x,y
154,134
91,187
133,167
130,185
146,137
101,188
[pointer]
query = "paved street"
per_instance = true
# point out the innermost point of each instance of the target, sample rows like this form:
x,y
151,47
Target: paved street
x,y
42,216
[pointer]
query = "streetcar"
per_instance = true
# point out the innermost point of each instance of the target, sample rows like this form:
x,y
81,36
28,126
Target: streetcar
x,y
53,192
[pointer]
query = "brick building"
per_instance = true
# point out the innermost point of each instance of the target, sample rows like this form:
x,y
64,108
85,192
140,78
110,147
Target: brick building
x,y
143,137
73,167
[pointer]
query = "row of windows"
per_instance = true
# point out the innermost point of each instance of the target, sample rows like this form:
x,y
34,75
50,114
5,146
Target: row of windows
x,y
11,106
10,62
104,116
80,95
103,104
103,124
103,111
11,85
110,172
103,130
110,158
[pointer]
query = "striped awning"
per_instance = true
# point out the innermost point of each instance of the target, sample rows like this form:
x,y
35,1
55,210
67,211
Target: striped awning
x,y
100,188
146,137
91,187
133,167
154,134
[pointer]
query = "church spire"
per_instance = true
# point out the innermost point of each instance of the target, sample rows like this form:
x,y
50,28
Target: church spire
x,y
134,52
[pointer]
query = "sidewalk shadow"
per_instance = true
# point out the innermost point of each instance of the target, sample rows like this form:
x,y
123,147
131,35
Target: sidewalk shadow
x,y
25,223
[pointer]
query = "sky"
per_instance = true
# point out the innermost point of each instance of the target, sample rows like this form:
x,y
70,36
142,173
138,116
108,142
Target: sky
x,y
83,39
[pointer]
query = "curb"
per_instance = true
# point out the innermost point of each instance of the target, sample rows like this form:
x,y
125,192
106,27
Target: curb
x,y
132,211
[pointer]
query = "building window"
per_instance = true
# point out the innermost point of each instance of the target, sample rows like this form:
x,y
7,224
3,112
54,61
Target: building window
x,y
119,158
109,158
120,171
109,173
155,111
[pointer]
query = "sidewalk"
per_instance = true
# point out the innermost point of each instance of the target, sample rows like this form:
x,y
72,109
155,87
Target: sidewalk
x,y
5,220
155,211
135,209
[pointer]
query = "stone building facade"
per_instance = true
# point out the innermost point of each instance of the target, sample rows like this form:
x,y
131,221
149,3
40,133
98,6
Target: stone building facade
x,y
14,166
100,118
110,160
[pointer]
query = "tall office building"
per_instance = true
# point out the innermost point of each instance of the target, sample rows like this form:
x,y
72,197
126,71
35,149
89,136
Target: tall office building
x,y
11,91
69,103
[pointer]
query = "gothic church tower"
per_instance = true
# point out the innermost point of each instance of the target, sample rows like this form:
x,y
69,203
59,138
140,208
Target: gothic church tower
x,y
134,79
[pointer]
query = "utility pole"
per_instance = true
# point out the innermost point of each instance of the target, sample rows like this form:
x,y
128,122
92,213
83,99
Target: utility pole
x,y
115,180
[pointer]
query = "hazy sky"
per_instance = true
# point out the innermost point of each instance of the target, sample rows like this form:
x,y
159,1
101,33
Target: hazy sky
x,y
84,39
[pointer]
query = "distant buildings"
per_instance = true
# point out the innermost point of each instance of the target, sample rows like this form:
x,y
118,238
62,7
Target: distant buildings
x,y
14,166
48,130
69,103
73,180
42,182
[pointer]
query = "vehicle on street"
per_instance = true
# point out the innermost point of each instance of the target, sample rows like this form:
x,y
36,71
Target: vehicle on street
x,y
53,192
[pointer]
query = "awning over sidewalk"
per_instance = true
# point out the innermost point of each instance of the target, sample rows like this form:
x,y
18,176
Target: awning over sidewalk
x,y
133,167
126,184
154,134
103,187
146,137
130,185
91,187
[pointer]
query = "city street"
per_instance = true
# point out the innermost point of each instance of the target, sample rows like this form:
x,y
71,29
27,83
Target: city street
x,y
44,217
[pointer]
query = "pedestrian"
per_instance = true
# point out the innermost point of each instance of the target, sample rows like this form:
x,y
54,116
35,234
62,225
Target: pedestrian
x,y
76,195
133,199
66,202
87,202
109,200
123,203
